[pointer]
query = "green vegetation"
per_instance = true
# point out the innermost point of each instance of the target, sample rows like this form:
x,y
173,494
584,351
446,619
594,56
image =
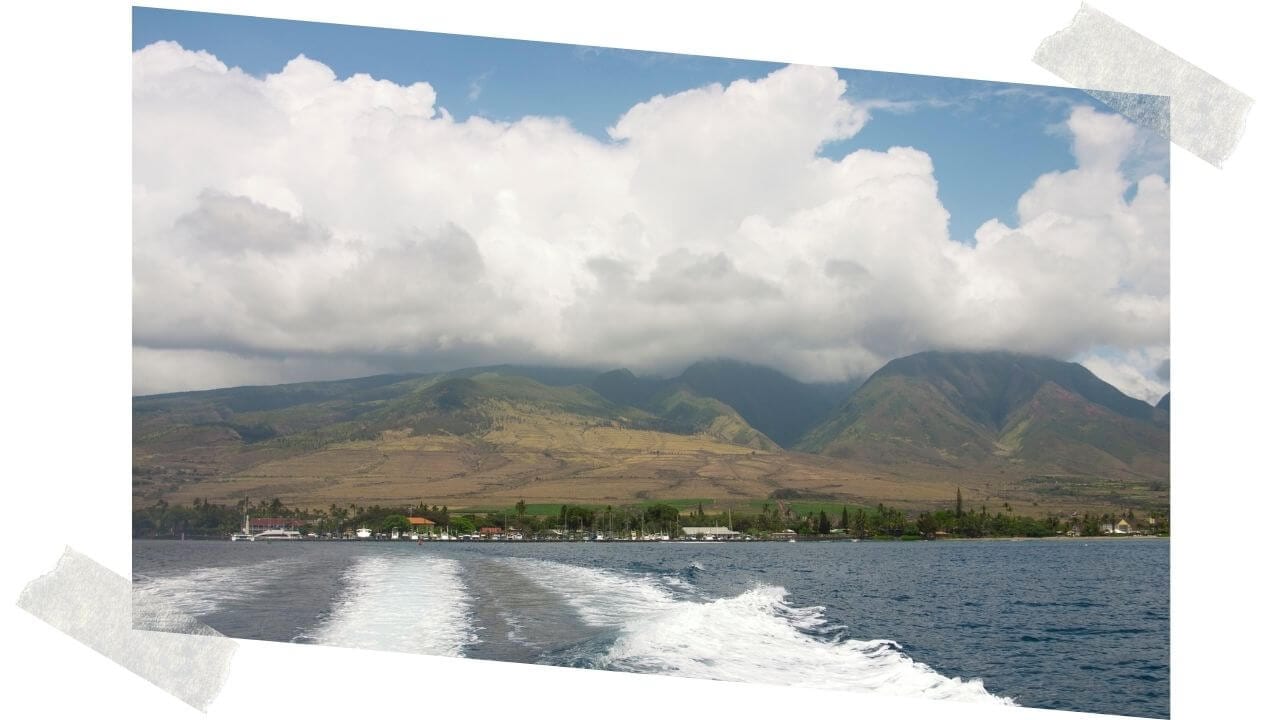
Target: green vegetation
x,y
809,520
549,509
205,519
198,520
814,507
463,525
395,523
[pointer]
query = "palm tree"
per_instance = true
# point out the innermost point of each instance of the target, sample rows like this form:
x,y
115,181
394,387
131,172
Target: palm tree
x,y
859,522
927,524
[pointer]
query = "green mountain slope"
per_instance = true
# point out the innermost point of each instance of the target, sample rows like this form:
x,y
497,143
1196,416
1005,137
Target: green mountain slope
x,y
780,407
239,426
969,409
623,387
777,405
895,418
690,412
544,375
1059,427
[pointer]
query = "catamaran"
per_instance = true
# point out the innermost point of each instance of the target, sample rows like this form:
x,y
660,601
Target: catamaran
x,y
278,535
244,534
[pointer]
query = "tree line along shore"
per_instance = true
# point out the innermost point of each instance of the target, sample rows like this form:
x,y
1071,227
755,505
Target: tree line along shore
x,y
766,520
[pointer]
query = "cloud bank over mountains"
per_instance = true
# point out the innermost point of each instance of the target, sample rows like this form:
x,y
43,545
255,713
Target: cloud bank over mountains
x,y
301,226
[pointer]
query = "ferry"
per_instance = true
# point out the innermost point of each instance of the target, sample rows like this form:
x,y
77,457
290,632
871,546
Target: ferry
x,y
363,533
278,535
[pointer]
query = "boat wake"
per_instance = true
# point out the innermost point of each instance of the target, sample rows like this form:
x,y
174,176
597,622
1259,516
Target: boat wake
x,y
599,597
536,610
756,636
169,603
409,604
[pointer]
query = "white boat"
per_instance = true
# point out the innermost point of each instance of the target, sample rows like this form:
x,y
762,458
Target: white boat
x,y
243,535
278,535
363,533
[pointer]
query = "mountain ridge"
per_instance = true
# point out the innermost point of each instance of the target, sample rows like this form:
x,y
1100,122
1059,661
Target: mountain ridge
x,y
1041,429
961,409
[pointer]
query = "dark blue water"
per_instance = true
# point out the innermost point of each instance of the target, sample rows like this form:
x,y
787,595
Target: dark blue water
x,y
1074,625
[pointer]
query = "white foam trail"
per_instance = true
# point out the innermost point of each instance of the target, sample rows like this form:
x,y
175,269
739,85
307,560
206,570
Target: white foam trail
x,y
754,637
200,592
410,604
600,597
757,637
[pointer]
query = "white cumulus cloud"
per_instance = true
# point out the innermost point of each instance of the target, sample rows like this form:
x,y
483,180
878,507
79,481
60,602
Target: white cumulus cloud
x,y
299,225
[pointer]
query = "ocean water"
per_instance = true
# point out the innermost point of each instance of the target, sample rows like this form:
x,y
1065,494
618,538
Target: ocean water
x,y
1073,625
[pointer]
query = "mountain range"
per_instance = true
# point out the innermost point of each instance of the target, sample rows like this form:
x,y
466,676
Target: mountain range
x,y
1028,431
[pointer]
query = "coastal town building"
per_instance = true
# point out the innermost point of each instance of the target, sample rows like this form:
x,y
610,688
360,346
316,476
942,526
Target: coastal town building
x,y
274,523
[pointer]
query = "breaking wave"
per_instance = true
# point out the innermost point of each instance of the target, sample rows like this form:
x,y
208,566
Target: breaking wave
x,y
413,604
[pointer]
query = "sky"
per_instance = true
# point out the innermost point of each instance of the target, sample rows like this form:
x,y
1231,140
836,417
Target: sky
x,y
316,201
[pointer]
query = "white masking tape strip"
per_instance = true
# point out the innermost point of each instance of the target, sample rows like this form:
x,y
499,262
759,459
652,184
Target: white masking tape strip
x,y
1110,61
94,605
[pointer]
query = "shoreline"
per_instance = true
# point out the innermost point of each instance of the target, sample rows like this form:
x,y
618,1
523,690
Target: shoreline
x,y
1061,538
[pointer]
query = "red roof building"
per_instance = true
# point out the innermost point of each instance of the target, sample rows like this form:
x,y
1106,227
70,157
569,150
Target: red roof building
x,y
415,521
275,523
